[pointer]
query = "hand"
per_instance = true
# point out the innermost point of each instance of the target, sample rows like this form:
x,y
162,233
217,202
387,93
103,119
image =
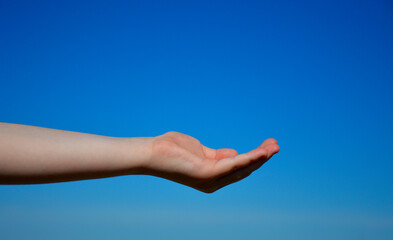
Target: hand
x,y
183,159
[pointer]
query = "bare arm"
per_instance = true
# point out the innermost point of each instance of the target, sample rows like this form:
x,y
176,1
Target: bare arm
x,y
40,155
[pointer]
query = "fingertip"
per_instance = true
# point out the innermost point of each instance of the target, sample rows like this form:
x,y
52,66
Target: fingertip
x,y
270,141
273,149
277,149
231,151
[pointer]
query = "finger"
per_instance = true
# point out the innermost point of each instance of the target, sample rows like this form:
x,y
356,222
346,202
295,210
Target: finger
x,y
220,153
225,153
268,142
231,164
271,149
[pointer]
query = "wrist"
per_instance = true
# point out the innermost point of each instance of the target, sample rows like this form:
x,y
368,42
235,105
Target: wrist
x,y
136,154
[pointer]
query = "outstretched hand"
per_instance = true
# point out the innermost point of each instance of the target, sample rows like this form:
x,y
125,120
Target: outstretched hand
x,y
183,159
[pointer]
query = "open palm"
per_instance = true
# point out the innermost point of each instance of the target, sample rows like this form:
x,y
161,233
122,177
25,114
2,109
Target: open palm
x,y
182,158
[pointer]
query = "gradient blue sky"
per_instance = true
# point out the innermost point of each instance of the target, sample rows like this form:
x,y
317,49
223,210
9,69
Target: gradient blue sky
x,y
315,75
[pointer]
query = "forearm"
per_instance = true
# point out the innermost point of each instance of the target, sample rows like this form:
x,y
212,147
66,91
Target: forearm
x,y
40,155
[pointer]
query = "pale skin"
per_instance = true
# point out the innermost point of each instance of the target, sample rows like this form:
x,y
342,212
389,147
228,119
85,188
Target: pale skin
x,y
31,155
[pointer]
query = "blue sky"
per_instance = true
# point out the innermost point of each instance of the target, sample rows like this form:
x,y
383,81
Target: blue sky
x,y
315,75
